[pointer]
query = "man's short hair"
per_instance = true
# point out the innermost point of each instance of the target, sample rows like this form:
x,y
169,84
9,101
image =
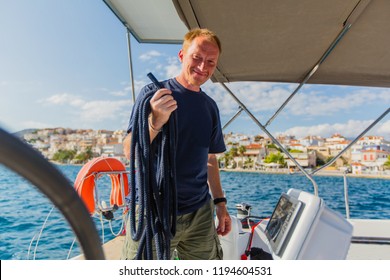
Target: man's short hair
x,y
198,32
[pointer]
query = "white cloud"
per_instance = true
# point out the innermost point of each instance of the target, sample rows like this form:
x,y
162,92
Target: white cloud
x,y
149,55
87,112
35,124
384,129
120,92
127,90
268,97
172,69
324,104
257,97
226,103
350,129
96,111
63,99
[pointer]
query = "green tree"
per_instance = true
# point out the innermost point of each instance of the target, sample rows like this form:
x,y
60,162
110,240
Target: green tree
x,y
329,159
226,159
273,146
233,152
295,151
275,158
64,156
83,157
241,150
248,163
386,165
319,161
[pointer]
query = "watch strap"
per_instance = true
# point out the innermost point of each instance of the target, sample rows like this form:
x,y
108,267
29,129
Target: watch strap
x,y
219,200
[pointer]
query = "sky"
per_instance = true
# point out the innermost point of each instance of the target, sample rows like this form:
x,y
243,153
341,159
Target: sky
x,y
65,64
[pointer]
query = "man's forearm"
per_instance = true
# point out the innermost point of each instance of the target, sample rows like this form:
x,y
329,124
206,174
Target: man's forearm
x,y
126,145
213,177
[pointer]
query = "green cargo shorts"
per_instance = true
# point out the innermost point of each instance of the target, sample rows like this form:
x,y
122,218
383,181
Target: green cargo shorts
x,y
196,237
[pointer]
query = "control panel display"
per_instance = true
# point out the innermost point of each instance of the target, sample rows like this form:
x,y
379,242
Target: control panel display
x,y
282,221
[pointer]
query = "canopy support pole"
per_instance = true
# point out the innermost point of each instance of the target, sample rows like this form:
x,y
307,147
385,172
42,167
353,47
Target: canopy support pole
x,y
353,142
312,71
243,107
342,152
359,8
347,26
347,213
233,118
130,63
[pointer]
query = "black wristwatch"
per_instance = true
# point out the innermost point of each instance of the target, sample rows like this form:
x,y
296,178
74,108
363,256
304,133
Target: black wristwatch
x,y
219,200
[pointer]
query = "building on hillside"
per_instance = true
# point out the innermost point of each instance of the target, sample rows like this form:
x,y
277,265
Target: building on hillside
x,y
253,148
236,140
298,147
305,159
371,141
255,153
113,149
356,155
374,159
286,140
335,138
336,145
358,168
322,152
87,142
372,151
119,135
309,141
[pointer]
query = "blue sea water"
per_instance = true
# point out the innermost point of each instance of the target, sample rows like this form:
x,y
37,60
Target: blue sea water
x,y
24,209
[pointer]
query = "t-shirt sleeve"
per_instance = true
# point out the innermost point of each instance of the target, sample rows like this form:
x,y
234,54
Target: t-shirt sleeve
x,y
217,144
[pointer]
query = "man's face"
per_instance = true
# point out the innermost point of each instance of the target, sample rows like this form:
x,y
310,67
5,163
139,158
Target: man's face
x,y
199,61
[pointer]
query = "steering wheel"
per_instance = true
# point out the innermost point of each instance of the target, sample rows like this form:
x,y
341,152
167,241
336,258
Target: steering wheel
x,y
30,164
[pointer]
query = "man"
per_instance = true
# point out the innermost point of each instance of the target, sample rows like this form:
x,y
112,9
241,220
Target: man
x,y
199,139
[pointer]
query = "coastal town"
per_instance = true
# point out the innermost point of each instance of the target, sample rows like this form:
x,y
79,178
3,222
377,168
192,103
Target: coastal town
x,y
370,155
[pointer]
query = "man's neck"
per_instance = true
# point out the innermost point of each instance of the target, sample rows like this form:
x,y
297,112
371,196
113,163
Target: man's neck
x,y
186,84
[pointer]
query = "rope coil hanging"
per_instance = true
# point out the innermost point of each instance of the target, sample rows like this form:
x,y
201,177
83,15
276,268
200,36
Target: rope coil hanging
x,y
153,175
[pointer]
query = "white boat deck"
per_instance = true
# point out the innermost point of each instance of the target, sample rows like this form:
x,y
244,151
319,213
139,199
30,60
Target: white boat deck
x,y
364,231
112,249
376,230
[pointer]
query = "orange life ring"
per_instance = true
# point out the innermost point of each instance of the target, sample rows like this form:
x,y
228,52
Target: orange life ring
x,y
85,181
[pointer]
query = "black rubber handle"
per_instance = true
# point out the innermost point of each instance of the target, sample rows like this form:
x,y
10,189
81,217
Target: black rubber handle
x,y
154,80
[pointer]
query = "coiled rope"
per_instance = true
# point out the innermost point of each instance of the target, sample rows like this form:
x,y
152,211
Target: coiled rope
x,y
153,174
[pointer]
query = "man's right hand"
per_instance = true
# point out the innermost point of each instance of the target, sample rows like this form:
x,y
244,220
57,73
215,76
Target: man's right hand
x,y
162,105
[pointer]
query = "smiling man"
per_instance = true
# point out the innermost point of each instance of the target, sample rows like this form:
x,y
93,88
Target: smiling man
x,y
199,139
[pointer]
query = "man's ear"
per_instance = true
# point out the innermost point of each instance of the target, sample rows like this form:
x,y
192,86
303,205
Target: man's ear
x,y
180,55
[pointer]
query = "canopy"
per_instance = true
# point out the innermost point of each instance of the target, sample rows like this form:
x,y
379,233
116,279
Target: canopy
x,y
276,40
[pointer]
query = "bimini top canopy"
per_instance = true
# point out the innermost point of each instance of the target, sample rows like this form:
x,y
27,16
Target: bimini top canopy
x,y
275,40
150,21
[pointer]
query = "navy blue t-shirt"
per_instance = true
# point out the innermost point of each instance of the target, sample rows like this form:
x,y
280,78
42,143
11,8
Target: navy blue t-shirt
x,y
199,134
